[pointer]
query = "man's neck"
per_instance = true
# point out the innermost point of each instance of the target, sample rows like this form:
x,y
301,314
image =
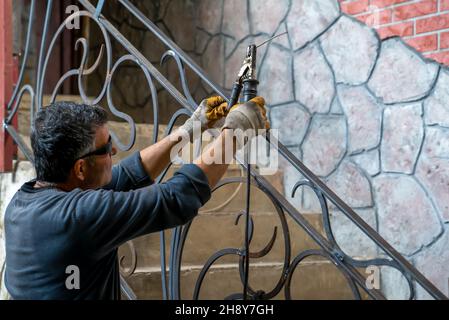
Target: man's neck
x,y
44,184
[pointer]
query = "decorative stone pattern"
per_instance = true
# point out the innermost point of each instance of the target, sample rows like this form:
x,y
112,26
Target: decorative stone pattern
x,y
282,41
309,18
433,168
336,107
364,118
433,263
272,11
273,77
293,127
351,49
401,74
436,179
235,10
351,185
314,83
402,138
346,233
325,144
368,161
394,285
437,143
181,31
436,107
210,13
403,205
213,59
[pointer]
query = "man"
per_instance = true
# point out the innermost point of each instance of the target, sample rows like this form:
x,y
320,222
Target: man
x,y
80,209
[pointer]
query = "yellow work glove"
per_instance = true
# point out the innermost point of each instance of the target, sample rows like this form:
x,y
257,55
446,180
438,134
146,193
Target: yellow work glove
x,y
210,113
216,110
249,119
249,115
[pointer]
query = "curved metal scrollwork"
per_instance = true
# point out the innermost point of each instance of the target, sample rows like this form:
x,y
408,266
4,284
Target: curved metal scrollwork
x,y
240,252
308,253
80,71
379,262
127,271
182,75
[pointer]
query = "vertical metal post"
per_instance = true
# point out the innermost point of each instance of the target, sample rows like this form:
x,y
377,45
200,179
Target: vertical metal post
x,y
40,78
6,82
247,219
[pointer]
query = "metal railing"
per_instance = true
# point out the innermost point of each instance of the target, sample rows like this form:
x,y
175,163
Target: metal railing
x,y
329,248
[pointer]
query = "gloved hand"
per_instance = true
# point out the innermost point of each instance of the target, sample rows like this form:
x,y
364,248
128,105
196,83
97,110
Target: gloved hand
x,y
246,116
210,113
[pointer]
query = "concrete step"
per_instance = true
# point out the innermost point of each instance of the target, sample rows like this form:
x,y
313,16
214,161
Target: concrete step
x,y
210,233
312,280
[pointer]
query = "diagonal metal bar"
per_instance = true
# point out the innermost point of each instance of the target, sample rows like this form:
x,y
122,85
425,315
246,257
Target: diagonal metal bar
x,y
19,141
39,79
126,289
25,56
317,237
173,46
357,220
139,56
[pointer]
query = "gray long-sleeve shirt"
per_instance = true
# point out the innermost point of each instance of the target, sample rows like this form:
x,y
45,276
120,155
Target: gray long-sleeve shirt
x,y
48,229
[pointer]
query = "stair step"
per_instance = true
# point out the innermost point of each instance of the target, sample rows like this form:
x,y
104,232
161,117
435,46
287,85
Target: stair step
x,y
211,233
313,279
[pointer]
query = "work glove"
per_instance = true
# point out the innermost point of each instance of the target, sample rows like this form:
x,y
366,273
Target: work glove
x,y
249,118
209,114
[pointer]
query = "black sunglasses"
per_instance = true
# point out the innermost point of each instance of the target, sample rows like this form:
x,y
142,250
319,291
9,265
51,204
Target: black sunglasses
x,y
106,149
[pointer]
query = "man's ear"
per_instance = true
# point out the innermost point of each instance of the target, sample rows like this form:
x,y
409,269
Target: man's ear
x,y
79,169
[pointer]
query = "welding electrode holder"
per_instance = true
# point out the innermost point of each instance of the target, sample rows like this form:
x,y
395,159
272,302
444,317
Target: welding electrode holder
x,y
246,79
247,75
249,89
250,83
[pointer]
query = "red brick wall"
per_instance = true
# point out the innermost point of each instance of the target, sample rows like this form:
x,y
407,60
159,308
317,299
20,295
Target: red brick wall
x,y
424,24
6,82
